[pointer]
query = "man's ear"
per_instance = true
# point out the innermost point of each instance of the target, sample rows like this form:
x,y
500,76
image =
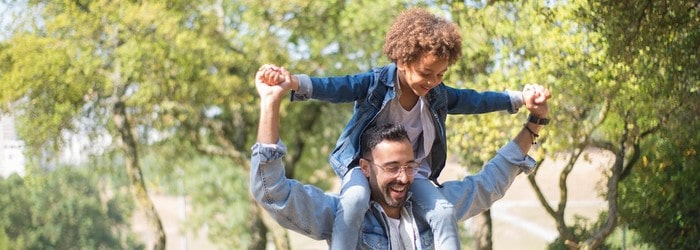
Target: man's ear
x,y
364,165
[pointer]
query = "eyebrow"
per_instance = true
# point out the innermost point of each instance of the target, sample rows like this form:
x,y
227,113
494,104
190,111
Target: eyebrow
x,y
396,162
430,71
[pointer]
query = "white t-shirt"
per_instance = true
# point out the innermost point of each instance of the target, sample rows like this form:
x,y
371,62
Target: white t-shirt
x,y
394,234
401,232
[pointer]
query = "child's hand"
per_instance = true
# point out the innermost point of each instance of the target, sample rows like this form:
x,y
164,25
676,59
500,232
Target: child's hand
x,y
272,74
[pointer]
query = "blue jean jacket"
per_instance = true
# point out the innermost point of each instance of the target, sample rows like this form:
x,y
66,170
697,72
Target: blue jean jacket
x,y
310,211
371,91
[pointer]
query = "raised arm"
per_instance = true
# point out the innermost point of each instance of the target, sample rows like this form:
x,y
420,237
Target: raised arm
x,y
270,100
469,101
535,98
303,208
476,193
336,89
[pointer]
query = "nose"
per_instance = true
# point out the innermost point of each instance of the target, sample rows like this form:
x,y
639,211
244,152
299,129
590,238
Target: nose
x,y
403,176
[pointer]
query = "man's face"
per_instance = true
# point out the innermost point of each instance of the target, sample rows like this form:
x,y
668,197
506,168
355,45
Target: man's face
x,y
389,190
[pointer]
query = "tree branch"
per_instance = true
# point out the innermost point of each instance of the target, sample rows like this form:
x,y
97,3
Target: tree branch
x,y
540,195
613,183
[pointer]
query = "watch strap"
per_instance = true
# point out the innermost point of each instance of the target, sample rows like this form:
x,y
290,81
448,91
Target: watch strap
x,y
537,120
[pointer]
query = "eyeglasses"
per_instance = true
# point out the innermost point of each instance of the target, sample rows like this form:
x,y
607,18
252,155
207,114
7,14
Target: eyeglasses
x,y
409,168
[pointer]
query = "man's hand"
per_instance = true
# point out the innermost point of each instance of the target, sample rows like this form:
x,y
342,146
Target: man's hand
x,y
270,99
272,82
271,74
535,97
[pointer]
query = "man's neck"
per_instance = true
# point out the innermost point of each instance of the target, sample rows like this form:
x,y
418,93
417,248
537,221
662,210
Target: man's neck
x,y
392,212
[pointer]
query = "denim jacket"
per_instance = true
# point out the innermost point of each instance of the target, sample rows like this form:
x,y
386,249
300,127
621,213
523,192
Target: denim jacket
x,y
310,211
371,91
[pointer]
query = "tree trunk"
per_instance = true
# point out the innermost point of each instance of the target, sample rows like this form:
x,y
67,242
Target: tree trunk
x,y
483,233
565,233
133,171
260,225
610,224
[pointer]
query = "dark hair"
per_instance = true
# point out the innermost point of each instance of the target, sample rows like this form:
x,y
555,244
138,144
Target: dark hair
x,y
416,32
376,134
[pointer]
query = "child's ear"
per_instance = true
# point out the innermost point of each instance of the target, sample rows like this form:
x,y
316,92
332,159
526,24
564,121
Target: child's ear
x,y
364,166
401,66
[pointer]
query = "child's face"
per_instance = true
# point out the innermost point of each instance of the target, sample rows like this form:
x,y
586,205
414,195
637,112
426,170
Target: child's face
x,y
422,75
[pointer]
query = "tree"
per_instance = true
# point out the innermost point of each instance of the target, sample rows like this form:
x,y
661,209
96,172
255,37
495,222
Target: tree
x,y
509,44
229,130
607,67
109,67
658,42
178,74
173,79
517,43
63,209
283,30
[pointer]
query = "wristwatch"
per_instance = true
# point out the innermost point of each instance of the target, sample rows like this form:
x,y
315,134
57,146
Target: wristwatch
x,y
537,120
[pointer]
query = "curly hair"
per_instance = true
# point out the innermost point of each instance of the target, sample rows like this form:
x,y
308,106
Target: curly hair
x,y
417,32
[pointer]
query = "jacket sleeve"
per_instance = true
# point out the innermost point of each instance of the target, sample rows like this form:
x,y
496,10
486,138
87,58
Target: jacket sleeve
x,y
476,193
469,101
305,209
335,89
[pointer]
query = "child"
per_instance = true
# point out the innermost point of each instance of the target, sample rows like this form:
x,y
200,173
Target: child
x,y
409,91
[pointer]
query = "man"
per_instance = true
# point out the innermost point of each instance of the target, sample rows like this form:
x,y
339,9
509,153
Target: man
x,y
387,160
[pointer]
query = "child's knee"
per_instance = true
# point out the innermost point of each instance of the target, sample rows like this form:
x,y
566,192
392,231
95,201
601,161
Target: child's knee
x,y
358,198
356,192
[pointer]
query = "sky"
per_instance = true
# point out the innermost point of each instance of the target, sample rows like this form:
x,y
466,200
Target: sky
x,y
9,11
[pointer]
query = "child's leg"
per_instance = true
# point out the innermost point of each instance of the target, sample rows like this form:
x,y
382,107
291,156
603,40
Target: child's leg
x,y
354,203
438,212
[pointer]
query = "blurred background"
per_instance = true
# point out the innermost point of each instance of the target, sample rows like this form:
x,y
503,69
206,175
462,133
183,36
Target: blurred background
x,y
128,124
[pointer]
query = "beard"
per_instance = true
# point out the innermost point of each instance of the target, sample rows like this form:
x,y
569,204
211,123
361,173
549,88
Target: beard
x,y
395,194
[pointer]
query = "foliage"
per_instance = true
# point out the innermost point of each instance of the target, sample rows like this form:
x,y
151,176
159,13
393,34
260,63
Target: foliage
x,y
166,63
624,76
314,50
659,201
607,67
110,66
63,209
510,44
658,42
213,188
